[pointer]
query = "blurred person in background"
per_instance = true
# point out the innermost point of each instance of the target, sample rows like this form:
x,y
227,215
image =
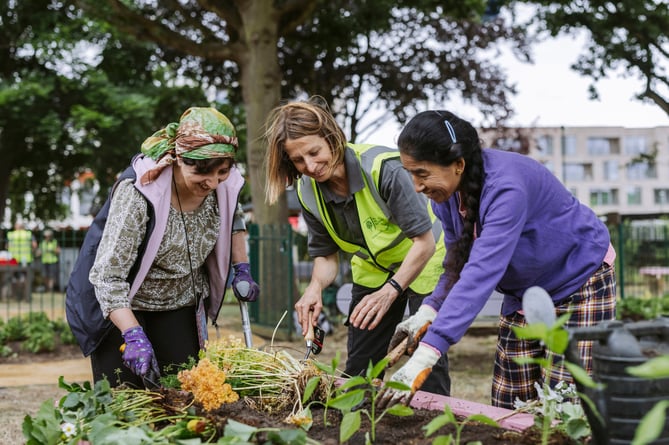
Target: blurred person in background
x,y
21,244
49,252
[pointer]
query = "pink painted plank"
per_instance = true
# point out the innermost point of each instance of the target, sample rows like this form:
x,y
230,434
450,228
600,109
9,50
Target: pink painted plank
x,y
505,417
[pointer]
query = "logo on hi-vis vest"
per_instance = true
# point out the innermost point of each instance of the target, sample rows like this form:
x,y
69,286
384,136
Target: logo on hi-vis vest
x,y
376,225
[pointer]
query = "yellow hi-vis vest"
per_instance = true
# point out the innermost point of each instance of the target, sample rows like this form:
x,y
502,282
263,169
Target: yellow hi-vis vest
x,y
20,245
48,249
386,246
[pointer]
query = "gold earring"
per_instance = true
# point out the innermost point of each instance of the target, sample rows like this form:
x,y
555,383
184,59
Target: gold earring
x,y
457,172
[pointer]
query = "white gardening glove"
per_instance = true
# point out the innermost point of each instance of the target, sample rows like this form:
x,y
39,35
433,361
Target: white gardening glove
x,y
413,374
414,328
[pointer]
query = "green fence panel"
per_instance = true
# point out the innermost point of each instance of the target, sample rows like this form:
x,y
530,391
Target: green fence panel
x,y
271,256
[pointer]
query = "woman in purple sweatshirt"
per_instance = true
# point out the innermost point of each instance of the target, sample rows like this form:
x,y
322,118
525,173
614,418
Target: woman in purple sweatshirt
x,y
510,225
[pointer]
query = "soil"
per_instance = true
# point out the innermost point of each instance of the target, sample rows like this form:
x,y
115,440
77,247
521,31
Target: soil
x,y
20,356
390,430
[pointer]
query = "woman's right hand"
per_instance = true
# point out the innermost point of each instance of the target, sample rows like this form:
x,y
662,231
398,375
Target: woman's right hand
x,y
308,308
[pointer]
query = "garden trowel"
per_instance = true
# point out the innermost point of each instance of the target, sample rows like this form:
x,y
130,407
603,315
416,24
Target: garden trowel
x,y
314,339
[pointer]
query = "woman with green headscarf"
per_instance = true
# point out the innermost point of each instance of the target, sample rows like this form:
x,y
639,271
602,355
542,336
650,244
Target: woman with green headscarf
x,y
175,225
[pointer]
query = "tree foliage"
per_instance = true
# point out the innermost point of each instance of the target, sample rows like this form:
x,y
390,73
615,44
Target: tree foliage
x,y
74,96
363,54
626,37
391,59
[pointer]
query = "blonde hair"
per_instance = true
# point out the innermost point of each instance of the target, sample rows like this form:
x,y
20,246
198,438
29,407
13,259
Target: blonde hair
x,y
294,120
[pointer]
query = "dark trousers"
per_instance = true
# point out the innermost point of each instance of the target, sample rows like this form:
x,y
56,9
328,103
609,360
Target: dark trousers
x,y
372,345
173,335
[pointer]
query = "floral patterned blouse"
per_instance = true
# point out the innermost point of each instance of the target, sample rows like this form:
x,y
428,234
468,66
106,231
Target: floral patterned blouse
x,y
168,284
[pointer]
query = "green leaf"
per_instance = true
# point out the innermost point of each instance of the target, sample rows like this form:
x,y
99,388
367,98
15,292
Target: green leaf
x,y
240,430
441,420
44,429
350,423
482,418
557,340
564,318
581,375
288,437
400,410
348,400
377,369
397,385
103,433
536,331
543,362
655,368
310,387
578,428
443,440
353,382
651,424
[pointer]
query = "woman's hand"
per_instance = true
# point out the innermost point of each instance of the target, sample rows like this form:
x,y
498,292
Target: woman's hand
x,y
368,313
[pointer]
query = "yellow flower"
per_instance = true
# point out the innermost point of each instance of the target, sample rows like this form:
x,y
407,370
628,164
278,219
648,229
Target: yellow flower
x,y
207,383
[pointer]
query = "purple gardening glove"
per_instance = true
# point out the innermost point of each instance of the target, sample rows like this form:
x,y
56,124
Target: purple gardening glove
x,y
138,353
243,286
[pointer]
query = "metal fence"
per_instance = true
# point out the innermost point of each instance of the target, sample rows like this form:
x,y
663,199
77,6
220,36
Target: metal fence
x,y
278,263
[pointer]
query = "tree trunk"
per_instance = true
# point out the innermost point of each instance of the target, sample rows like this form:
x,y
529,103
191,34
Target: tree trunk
x,y
261,88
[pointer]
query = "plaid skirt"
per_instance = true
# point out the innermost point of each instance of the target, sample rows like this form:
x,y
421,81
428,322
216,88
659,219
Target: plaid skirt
x,y
591,304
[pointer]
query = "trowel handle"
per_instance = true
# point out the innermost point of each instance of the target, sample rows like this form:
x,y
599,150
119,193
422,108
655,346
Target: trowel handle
x,y
398,351
309,336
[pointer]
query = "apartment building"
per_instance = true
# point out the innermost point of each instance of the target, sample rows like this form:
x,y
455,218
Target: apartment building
x,y
611,169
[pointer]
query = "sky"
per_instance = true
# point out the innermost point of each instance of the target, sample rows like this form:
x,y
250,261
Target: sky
x,y
551,94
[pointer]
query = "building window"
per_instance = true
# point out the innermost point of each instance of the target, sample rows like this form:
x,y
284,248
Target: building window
x,y
545,144
569,145
601,197
641,170
611,170
603,146
634,145
634,195
578,172
661,196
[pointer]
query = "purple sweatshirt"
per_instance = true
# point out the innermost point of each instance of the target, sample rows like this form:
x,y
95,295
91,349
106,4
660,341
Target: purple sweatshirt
x,y
531,232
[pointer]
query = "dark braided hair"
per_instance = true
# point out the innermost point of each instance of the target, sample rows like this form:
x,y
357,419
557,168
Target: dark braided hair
x,y
427,137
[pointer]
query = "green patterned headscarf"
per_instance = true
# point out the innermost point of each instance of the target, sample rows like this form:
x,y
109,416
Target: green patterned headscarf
x,y
201,133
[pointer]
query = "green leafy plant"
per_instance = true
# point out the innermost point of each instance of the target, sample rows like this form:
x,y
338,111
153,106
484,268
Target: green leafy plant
x,y
352,394
314,382
41,338
642,308
652,424
64,332
102,415
237,432
448,418
543,326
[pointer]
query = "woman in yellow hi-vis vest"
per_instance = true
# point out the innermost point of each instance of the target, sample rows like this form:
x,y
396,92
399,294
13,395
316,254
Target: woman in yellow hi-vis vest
x,y
357,199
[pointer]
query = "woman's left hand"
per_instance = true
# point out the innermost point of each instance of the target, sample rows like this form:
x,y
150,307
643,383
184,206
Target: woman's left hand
x,y
243,285
371,309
